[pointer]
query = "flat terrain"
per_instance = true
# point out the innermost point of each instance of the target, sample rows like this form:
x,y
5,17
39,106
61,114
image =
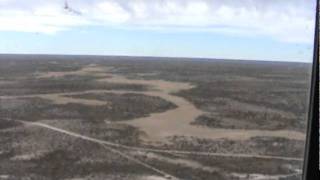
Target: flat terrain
x,y
91,117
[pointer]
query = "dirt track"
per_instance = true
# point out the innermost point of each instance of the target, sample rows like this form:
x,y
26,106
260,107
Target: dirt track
x,y
111,144
158,126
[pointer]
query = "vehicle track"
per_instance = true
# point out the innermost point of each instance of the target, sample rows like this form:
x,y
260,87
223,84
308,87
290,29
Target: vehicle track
x,y
106,145
70,133
158,126
167,121
165,174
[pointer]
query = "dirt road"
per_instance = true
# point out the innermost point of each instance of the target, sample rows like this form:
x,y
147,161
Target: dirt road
x,y
159,126
70,133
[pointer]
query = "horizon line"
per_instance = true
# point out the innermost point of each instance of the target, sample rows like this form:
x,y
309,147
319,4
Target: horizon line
x,y
172,57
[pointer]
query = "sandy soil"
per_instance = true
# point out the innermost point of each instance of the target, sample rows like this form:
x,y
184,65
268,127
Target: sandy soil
x,y
91,69
62,99
26,157
159,126
176,122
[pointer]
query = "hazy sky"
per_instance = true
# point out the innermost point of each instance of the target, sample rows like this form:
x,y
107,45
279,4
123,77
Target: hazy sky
x,y
241,29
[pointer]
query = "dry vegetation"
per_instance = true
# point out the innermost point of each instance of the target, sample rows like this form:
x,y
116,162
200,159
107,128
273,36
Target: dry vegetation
x,y
227,107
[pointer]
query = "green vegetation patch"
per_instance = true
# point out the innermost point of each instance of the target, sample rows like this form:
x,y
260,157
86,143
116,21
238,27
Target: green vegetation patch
x,y
5,124
122,107
246,119
47,86
125,106
272,146
250,165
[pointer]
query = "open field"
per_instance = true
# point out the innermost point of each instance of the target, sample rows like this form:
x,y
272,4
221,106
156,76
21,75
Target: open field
x,y
85,117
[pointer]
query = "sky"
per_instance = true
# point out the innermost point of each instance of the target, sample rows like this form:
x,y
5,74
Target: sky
x,y
278,30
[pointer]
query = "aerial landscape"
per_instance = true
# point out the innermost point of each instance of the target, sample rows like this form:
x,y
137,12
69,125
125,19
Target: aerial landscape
x,y
154,90
148,118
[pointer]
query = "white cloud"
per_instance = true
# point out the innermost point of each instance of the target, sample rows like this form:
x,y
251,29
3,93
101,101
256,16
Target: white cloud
x,y
111,11
285,20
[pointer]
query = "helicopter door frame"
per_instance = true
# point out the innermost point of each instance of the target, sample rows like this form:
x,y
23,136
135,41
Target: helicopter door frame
x,y
311,158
